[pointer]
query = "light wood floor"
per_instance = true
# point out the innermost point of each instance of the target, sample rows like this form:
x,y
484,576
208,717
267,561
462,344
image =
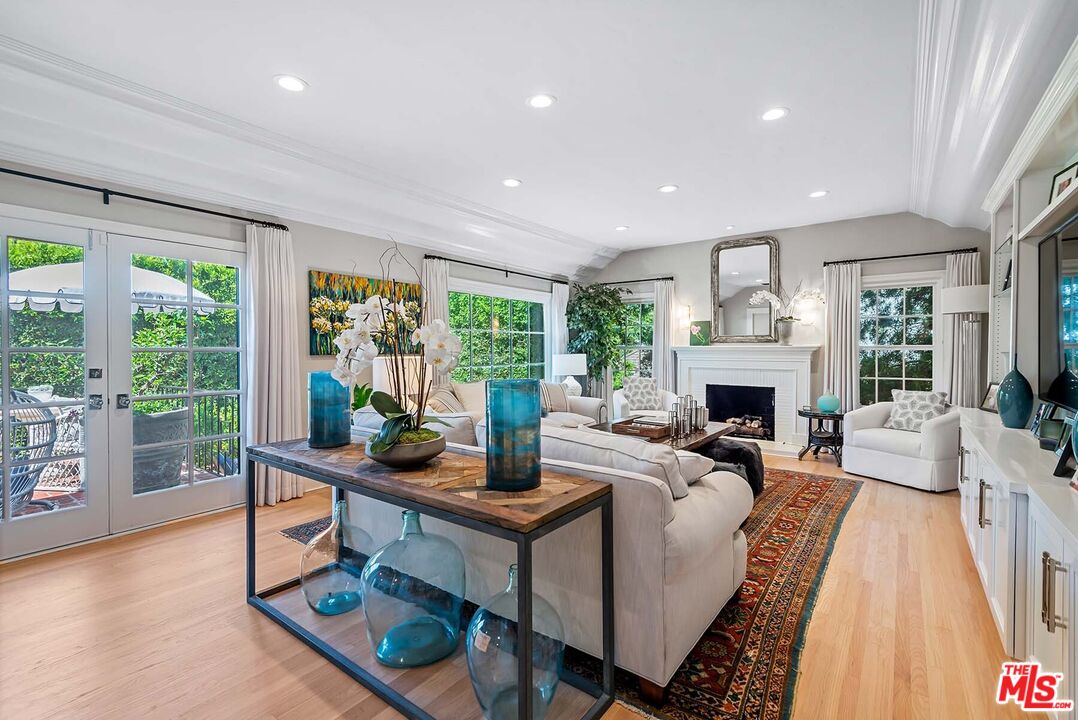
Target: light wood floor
x,y
154,624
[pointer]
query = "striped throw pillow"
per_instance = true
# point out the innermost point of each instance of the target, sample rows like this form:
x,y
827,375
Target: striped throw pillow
x,y
442,400
553,397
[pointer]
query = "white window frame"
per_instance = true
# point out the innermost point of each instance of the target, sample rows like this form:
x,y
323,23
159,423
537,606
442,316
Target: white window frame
x,y
931,278
477,287
643,298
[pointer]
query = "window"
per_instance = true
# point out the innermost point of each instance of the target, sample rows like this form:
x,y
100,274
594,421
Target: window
x,y
1068,297
896,341
636,342
502,337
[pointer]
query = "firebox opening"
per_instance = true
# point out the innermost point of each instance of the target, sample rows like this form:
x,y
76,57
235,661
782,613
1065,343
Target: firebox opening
x,y
750,408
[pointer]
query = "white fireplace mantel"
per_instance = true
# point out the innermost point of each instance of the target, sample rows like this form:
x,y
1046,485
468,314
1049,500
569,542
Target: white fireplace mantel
x,y
787,368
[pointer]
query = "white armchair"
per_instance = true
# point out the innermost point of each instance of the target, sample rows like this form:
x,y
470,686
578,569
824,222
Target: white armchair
x,y
621,405
927,460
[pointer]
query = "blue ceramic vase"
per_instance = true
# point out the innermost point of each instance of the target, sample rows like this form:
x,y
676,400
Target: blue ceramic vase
x,y
828,403
1014,399
329,411
493,659
513,436
412,591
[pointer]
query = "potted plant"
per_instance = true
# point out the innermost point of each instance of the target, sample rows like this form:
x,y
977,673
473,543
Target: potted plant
x,y
784,306
595,317
384,326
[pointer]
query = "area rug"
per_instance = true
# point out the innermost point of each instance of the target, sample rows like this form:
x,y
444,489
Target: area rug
x,y
745,666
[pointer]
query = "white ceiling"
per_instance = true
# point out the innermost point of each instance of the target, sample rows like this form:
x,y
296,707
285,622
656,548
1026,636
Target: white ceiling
x,y
416,112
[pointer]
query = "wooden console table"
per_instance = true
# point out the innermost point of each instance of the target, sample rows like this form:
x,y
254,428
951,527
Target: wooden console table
x,y
452,487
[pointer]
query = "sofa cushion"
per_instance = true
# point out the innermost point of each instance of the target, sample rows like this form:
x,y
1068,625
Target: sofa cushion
x,y
443,400
553,397
473,396
888,440
709,514
693,466
460,428
568,419
642,393
619,452
913,407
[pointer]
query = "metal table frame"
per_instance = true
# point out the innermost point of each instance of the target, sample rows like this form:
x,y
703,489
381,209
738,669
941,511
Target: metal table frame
x,y
604,694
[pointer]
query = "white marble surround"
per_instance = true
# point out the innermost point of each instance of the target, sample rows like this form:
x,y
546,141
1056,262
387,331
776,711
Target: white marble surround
x,y
787,368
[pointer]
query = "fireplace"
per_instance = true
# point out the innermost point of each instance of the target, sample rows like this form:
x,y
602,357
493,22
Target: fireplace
x,y
750,408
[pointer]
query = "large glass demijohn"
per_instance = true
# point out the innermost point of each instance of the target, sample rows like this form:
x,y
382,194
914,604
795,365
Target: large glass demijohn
x,y
493,659
329,579
413,589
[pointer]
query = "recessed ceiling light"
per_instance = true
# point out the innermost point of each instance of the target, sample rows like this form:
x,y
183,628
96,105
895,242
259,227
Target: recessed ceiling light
x,y
622,228
735,272
291,83
542,100
775,113
729,227
818,193
667,188
512,182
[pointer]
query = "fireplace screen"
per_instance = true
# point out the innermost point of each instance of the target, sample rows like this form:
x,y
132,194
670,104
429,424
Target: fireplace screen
x,y
751,409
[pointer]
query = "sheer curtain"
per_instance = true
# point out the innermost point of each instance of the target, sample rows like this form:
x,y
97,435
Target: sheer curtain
x,y
435,280
842,325
662,356
559,327
274,407
963,339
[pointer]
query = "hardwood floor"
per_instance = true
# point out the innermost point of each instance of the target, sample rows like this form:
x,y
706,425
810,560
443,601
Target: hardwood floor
x,y
154,624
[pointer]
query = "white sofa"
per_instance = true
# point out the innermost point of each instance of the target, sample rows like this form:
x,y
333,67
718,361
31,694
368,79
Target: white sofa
x,y
621,405
927,460
676,562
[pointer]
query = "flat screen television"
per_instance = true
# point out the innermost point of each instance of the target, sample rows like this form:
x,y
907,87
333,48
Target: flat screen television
x,y
1057,291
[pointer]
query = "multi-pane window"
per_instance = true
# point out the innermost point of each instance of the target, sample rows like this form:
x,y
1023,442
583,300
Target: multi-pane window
x,y
501,337
896,341
636,342
1068,297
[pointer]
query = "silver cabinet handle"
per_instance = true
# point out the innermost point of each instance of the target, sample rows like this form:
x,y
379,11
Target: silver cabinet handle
x,y
1051,567
962,465
1044,586
982,520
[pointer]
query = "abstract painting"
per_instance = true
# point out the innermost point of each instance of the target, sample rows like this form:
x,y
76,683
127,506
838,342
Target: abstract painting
x,y
330,294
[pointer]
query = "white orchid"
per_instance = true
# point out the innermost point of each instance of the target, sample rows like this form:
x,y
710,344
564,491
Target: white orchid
x,y
784,306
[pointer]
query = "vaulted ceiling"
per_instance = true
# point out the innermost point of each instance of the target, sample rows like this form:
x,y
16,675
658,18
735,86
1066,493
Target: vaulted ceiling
x,y
415,112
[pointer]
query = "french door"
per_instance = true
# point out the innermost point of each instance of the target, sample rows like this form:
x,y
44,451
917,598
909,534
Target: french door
x,y
123,384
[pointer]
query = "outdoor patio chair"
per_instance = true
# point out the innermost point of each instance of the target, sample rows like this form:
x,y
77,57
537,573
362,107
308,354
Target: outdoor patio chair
x,y
33,435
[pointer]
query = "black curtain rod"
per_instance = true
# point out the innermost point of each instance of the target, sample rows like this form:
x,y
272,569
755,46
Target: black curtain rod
x,y
630,282
495,269
899,257
107,194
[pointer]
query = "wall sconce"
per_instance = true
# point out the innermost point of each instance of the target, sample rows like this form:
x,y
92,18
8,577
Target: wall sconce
x,y
685,317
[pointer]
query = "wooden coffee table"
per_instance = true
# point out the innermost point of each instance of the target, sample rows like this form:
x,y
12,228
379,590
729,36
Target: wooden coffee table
x,y
687,442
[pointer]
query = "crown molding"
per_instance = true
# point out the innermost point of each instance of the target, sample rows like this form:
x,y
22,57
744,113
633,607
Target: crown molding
x,y
1061,93
937,36
84,77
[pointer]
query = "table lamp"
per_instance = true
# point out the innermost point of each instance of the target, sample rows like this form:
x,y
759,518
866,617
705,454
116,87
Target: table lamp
x,y
570,365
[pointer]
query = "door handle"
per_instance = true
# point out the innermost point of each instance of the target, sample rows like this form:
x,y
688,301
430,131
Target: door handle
x,y
123,401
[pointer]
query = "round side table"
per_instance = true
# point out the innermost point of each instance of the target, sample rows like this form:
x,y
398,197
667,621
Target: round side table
x,y
825,432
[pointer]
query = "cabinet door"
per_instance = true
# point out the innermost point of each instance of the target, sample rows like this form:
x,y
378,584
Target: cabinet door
x,y
1001,591
1047,637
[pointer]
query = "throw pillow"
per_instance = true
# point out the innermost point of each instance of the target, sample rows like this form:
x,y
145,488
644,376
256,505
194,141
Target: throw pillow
x,y
473,396
442,400
641,393
913,408
693,466
553,397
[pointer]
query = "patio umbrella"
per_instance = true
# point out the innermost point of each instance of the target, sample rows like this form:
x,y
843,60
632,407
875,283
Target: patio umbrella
x,y
152,291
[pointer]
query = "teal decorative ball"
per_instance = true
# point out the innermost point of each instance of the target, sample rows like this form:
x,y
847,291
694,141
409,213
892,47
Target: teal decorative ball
x,y
828,403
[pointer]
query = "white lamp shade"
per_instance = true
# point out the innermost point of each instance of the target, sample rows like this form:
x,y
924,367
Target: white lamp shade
x,y
576,364
382,368
965,299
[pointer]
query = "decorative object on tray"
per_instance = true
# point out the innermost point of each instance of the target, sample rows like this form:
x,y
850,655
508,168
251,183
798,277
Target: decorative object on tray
x,y
513,435
329,411
331,294
493,660
988,402
412,594
388,325
570,365
687,416
641,427
700,332
1062,181
330,584
828,402
784,307
1014,398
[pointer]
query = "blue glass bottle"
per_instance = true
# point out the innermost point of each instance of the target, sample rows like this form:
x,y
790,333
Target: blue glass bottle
x,y
329,411
330,583
491,643
1014,399
413,589
513,435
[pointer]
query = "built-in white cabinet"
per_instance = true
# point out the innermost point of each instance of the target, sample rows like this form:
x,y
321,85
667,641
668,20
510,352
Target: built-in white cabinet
x,y
1051,597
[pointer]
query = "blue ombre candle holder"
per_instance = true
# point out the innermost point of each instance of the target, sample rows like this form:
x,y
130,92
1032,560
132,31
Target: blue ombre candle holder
x,y
329,411
513,436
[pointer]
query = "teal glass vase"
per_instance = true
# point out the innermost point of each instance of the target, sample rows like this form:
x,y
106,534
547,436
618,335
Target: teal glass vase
x,y
491,643
413,589
329,580
828,403
513,435
1014,399
329,411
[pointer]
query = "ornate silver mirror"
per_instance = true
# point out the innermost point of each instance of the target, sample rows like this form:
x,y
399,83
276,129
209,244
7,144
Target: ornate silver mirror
x,y
738,269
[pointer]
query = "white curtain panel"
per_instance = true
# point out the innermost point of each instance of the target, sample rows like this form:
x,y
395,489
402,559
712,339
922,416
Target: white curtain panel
x,y
842,325
435,281
962,338
274,407
662,357
559,324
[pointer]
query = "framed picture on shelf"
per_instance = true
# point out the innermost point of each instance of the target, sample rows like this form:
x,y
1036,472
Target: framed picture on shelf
x,y
1044,412
1062,181
700,332
989,401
